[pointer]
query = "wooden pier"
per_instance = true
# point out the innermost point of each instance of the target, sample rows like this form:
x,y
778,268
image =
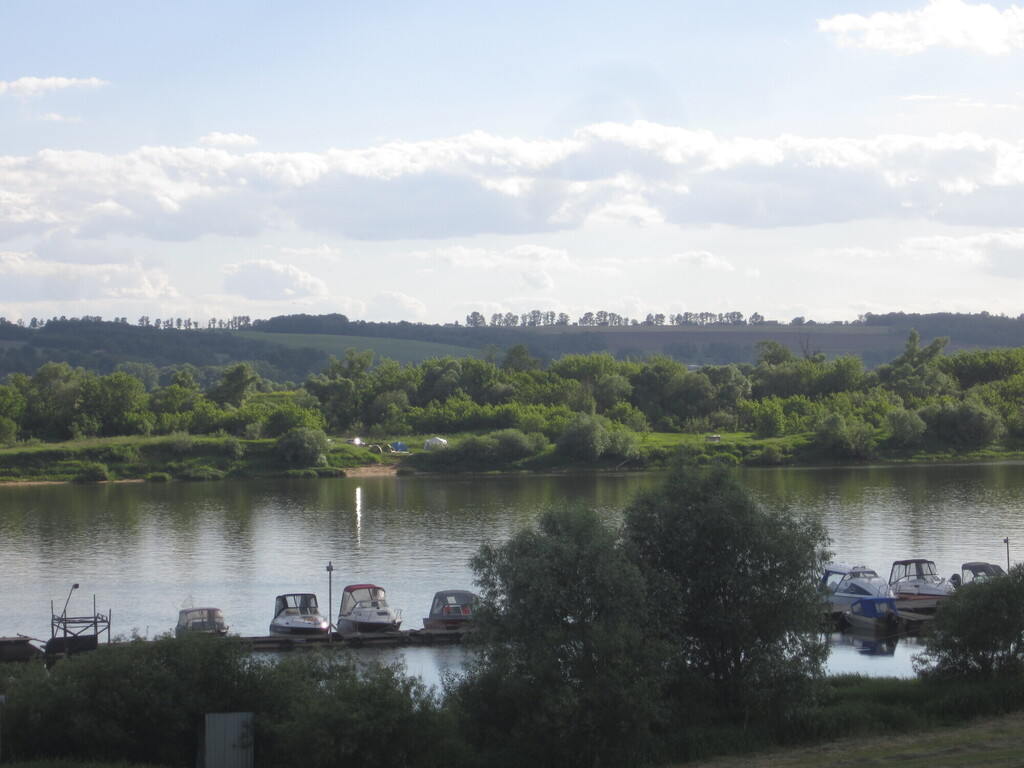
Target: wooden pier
x,y
410,637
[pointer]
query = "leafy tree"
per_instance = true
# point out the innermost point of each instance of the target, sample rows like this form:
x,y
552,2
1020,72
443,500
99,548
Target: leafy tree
x,y
844,438
966,424
915,374
290,416
117,404
733,582
906,428
564,674
237,383
303,447
518,358
978,631
586,437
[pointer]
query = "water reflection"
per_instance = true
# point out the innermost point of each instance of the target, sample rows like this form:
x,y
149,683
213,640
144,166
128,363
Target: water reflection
x,y
144,549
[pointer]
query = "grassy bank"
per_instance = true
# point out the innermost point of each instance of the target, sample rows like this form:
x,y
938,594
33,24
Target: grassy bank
x,y
188,457
173,457
991,742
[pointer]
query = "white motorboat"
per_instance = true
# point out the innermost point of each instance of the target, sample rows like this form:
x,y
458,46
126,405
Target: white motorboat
x,y
842,585
200,621
364,608
298,614
916,584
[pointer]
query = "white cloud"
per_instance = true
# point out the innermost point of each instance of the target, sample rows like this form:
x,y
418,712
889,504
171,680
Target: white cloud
x,y
24,276
265,279
25,87
394,306
703,260
54,117
641,174
218,139
1000,253
321,251
940,24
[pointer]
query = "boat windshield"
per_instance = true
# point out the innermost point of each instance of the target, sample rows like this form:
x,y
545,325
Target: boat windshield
x,y
364,597
297,605
863,573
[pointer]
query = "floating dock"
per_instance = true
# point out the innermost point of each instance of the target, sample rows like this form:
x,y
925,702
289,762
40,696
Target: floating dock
x,y
407,637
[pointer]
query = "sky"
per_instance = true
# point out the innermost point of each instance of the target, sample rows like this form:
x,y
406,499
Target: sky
x,y
421,161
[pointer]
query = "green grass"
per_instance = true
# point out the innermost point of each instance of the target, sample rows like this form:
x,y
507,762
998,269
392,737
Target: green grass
x,y
399,350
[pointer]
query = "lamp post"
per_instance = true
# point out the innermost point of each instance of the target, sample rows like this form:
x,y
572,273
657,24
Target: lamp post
x,y
1006,541
330,602
64,613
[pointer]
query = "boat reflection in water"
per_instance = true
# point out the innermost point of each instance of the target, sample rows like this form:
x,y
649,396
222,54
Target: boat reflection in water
x,y
867,642
867,653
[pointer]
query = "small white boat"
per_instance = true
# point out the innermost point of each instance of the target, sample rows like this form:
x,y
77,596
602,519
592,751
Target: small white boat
x,y
200,621
842,585
298,614
916,584
364,608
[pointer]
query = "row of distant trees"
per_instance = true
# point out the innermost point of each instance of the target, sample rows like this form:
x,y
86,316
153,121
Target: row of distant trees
x,y
236,323
536,317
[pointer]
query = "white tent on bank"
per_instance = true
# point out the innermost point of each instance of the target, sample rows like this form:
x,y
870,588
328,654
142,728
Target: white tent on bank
x,y
434,443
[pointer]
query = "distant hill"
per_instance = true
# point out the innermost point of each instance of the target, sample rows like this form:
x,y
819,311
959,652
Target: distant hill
x,y
292,347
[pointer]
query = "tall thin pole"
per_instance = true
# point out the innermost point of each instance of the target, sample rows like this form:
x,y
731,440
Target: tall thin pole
x,y
1006,541
330,602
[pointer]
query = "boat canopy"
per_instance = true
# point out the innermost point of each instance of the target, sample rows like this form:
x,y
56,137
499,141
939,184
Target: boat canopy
x,y
977,571
298,604
453,601
364,596
906,570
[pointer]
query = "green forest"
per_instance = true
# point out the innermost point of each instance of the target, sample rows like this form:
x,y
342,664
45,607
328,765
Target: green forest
x,y
511,411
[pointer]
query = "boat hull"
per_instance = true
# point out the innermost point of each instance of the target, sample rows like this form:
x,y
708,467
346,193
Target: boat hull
x,y
294,632
447,624
354,626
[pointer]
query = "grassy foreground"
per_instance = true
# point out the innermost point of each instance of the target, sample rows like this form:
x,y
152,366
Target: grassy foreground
x,y
993,742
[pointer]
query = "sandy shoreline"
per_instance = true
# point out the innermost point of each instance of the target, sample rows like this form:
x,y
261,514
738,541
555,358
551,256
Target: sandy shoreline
x,y
367,470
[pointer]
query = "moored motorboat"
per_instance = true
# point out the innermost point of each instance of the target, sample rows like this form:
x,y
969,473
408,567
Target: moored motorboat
x,y
200,621
842,585
451,609
298,614
917,586
364,608
976,571
874,614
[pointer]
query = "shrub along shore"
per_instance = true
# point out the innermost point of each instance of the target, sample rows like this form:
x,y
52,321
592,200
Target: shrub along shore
x,y
217,457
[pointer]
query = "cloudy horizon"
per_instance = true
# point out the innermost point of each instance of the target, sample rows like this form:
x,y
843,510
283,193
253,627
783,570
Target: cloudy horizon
x,y
420,164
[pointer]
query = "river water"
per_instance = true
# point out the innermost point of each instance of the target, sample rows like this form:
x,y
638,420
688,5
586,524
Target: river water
x,y
146,550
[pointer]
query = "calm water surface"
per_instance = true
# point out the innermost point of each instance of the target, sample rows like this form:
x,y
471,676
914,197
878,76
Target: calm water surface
x,y
146,550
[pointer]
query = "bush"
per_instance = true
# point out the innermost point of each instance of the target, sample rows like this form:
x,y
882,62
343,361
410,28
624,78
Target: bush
x,y
93,472
585,438
181,443
303,447
978,631
158,477
143,701
200,474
